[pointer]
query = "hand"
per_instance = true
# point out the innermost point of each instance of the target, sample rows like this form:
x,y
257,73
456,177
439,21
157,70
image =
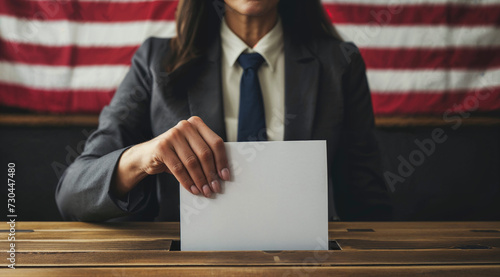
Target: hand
x,y
191,151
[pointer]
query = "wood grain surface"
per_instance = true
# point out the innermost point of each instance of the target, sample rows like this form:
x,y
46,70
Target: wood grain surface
x,y
382,271
138,248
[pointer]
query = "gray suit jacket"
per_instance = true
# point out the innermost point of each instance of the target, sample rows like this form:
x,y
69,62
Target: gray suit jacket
x,y
326,98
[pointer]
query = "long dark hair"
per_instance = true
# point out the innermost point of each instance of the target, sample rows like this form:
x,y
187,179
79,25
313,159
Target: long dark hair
x,y
198,22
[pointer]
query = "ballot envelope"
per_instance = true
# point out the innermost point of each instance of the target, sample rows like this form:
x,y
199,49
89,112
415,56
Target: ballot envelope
x,y
277,199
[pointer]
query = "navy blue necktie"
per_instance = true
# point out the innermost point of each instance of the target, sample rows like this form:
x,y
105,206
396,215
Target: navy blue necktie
x,y
251,117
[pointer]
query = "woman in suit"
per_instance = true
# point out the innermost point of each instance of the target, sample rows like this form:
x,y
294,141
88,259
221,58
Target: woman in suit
x,y
240,71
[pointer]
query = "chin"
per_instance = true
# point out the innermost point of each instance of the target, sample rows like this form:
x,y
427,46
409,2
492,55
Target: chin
x,y
252,7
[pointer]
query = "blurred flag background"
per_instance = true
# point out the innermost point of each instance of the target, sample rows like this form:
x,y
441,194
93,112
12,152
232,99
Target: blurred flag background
x,y
423,57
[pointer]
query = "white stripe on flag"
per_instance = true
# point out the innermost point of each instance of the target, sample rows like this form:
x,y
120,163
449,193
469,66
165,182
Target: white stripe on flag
x,y
60,33
431,80
419,36
61,77
108,77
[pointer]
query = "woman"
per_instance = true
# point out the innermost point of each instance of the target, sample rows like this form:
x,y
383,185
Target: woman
x,y
266,70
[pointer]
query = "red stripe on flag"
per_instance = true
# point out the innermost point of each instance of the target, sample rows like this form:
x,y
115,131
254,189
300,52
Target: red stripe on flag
x,y
93,11
92,101
425,58
60,101
438,102
415,14
375,58
65,55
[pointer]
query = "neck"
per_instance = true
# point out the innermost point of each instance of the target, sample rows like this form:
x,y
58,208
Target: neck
x,y
250,29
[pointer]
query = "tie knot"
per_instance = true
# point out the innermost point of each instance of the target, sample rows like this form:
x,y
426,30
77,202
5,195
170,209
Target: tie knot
x,y
251,60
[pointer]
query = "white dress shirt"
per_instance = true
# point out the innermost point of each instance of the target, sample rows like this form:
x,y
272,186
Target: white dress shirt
x,y
271,77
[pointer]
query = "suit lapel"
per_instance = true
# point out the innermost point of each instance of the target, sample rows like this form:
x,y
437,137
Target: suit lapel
x,y
205,97
302,71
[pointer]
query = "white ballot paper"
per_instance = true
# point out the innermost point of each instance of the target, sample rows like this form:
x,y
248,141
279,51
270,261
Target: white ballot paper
x,y
276,200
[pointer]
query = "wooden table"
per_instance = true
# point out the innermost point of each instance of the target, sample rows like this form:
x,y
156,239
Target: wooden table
x,y
151,249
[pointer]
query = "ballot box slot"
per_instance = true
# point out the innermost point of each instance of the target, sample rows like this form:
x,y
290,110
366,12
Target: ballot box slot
x,y
360,230
176,245
472,246
332,245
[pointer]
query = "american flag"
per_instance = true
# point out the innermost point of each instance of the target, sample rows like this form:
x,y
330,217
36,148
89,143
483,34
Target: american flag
x,y
422,56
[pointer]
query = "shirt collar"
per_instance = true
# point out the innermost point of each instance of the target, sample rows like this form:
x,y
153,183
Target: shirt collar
x,y
270,46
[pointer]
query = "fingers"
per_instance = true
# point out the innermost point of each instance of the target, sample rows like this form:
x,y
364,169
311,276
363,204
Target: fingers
x,y
194,167
177,168
216,144
204,155
196,156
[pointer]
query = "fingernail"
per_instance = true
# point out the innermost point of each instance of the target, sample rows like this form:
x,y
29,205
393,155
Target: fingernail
x,y
225,174
216,186
195,190
206,191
